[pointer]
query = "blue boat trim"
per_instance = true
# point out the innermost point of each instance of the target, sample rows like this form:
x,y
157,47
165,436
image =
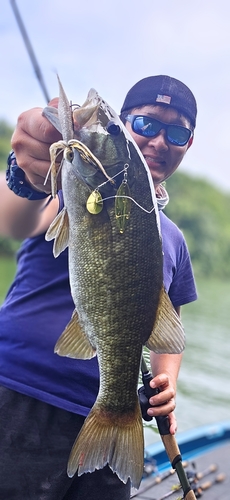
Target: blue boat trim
x,y
192,443
201,449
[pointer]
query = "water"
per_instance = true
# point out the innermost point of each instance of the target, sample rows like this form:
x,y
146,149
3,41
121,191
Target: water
x,y
203,392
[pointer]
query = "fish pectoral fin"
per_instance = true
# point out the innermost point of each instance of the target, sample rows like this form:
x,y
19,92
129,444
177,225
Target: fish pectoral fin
x,y
106,438
73,342
59,231
168,332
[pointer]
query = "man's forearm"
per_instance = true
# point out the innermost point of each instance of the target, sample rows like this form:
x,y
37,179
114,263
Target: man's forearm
x,y
166,363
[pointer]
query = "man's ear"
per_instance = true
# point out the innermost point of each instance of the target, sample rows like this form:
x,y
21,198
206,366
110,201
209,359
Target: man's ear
x,y
190,141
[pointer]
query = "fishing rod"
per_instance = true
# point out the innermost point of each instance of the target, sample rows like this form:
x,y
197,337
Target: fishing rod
x,y
169,440
30,49
197,487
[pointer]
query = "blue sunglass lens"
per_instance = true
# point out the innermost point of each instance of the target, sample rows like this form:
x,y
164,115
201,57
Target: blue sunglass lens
x,y
178,135
145,126
148,127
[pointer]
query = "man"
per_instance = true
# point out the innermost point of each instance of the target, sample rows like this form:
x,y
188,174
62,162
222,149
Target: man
x,y
45,398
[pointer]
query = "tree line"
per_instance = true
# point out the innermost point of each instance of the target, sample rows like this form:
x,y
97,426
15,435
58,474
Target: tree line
x,y
199,209
202,212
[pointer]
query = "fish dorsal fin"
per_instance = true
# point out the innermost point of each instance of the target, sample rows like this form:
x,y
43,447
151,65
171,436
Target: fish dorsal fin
x,y
168,333
73,342
59,232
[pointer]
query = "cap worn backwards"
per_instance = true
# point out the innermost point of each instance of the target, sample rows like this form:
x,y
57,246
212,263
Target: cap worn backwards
x,y
162,89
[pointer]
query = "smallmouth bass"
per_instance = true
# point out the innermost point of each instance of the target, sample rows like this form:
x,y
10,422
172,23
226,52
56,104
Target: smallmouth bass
x,y
110,223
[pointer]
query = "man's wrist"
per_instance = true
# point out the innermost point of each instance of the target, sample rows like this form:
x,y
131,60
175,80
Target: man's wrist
x,y
16,181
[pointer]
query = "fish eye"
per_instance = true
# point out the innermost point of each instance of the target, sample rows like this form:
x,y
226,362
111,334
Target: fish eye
x,y
68,154
113,128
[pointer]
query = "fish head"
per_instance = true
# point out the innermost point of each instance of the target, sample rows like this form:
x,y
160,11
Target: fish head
x,y
102,153
99,128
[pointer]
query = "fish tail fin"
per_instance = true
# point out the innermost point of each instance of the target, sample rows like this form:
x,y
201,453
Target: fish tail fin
x,y
109,439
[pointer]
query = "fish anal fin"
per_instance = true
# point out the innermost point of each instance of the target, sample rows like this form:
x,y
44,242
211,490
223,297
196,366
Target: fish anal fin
x,y
59,231
73,342
116,441
168,332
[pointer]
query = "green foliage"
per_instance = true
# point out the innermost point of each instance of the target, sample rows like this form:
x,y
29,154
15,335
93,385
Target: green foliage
x,y
7,272
202,213
8,247
6,132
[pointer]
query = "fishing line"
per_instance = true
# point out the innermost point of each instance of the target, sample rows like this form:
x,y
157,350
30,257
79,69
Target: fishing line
x,y
126,166
128,198
100,201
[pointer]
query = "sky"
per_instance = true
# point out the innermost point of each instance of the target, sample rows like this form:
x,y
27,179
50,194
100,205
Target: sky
x,y
110,45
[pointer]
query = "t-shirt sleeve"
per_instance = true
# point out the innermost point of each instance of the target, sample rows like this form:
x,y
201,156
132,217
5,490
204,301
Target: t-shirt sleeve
x,y
178,273
182,289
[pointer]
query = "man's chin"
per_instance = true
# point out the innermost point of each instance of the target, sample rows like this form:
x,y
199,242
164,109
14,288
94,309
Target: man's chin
x,y
157,177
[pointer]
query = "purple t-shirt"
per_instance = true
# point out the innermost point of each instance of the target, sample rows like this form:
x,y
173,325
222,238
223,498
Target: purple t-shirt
x,y
39,305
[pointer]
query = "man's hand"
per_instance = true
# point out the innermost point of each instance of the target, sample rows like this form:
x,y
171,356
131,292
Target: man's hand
x,y
163,403
31,141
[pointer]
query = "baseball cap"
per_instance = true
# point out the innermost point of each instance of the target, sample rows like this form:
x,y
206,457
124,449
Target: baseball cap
x,y
162,89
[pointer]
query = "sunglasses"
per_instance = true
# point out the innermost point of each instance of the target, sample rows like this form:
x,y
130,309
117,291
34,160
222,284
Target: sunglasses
x,y
149,127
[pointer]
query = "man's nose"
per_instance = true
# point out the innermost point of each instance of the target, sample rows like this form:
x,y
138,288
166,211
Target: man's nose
x,y
159,141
